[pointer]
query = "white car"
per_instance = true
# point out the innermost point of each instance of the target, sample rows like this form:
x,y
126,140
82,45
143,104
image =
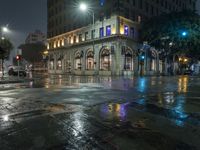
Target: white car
x,y
15,70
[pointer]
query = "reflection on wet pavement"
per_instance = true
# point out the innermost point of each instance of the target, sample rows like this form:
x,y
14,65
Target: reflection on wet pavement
x,y
72,112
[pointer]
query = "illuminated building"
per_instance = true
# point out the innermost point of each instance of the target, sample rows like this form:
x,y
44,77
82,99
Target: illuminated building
x,y
115,36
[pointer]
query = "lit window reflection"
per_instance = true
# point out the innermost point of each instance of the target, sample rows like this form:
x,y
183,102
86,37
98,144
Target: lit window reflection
x,y
114,110
169,98
78,124
183,84
179,111
142,84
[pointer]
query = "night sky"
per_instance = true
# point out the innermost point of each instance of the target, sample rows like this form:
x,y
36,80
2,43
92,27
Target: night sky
x,y
24,16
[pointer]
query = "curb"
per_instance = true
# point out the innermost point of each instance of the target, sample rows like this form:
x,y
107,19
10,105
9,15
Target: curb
x,y
16,81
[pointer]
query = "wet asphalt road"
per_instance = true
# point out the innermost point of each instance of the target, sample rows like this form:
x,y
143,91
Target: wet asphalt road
x,y
70,112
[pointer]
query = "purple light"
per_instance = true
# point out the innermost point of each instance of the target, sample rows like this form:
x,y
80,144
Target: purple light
x,y
126,30
108,30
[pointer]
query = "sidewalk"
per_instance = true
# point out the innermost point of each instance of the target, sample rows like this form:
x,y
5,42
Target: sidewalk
x,y
7,80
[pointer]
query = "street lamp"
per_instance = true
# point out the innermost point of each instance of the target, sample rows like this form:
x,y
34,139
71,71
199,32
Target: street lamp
x,y
83,7
5,29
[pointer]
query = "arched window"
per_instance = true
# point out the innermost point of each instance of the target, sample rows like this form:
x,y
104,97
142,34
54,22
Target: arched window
x,y
105,59
78,60
51,65
59,62
90,60
128,64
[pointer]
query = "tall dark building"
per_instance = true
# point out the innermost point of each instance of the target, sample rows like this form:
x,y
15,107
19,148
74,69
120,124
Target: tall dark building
x,y
64,16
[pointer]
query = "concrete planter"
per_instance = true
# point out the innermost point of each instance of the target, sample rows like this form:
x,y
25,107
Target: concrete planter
x,y
128,73
105,73
89,72
78,72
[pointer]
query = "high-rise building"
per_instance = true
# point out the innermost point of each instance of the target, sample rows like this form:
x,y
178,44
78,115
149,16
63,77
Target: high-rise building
x,y
64,16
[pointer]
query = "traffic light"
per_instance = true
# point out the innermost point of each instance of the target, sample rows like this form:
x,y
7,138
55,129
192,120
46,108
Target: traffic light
x,y
18,57
184,33
142,56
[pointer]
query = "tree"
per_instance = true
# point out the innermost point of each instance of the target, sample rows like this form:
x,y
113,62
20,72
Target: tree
x,y
5,48
33,53
181,29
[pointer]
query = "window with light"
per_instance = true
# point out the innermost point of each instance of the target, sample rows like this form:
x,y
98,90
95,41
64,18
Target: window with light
x,y
126,30
90,60
108,30
78,61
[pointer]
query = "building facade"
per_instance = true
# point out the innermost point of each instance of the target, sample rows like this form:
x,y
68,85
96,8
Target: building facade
x,y
110,46
64,16
36,37
115,51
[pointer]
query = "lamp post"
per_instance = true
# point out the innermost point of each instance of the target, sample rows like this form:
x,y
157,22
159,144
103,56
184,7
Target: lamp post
x,y
83,7
3,30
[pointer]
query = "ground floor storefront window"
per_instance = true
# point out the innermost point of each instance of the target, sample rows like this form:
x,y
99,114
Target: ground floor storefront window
x,y
105,59
90,60
59,65
51,65
128,65
78,61
153,65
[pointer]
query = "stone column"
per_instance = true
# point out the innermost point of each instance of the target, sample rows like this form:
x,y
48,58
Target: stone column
x,y
157,64
118,62
55,63
96,60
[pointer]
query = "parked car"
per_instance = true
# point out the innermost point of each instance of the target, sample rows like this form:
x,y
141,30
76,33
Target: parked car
x,y
14,70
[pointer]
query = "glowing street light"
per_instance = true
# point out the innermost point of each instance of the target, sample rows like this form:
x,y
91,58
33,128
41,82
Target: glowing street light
x,y
5,29
184,33
83,7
